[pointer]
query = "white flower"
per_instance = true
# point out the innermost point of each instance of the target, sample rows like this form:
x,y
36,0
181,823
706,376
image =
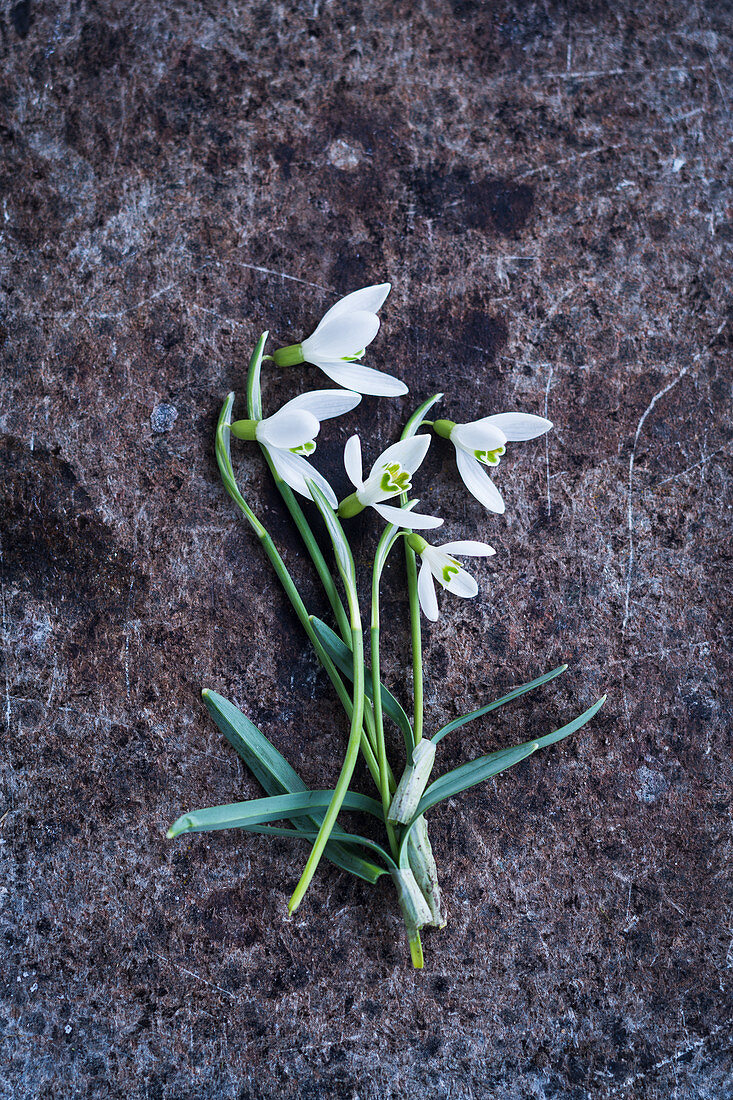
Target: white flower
x,y
438,562
289,434
482,443
341,339
390,475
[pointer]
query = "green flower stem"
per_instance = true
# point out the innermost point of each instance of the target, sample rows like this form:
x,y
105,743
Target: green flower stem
x,y
230,484
410,429
416,635
386,790
328,583
313,549
254,409
352,749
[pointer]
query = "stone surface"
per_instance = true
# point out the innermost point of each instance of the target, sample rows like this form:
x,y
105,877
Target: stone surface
x,y
547,187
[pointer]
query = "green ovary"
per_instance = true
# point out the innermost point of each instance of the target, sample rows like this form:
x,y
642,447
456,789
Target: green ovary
x,y
395,479
490,458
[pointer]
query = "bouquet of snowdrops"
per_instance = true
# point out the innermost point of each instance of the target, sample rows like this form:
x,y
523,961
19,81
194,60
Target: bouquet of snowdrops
x,y
403,795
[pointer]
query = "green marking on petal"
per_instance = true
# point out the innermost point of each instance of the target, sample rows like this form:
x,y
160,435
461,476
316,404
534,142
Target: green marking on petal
x,y
304,448
490,458
450,570
395,479
353,358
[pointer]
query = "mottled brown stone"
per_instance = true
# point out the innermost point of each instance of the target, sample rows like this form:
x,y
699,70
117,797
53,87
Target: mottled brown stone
x,y
547,186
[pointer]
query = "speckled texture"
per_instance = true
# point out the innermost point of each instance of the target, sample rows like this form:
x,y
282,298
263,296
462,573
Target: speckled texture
x,y
546,186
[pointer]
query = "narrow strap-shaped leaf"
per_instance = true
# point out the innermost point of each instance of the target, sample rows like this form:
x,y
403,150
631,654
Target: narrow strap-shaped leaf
x,y
343,837
258,811
468,775
340,654
513,694
413,424
269,767
275,775
254,394
476,771
340,543
386,542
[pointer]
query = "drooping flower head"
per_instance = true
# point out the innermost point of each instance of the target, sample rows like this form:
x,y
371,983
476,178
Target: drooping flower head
x,y
438,562
390,476
289,434
341,339
482,442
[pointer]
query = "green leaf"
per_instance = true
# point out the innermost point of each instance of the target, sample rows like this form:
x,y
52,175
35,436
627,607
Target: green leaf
x,y
513,694
340,543
386,542
413,424
269,767
275,775
254,394
353,840
341,656
468,775
258,811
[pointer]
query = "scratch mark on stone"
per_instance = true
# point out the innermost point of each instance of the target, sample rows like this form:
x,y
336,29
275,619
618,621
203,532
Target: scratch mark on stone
x,y
281,275
198,977
50,690
687,1048
630,491
703,463
593,74
567,160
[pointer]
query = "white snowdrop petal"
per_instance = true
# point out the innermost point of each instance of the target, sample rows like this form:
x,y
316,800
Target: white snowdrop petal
x,y
297,471
341,336
369,299
324,404
479,435
408,452
352,461
518,426
426,592
375,383
287,428
479,483
461,584
469,548
403,517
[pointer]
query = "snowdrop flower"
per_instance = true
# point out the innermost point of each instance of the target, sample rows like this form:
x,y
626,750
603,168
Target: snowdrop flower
x,y
482,443
288,435
438,562
390,475
340,341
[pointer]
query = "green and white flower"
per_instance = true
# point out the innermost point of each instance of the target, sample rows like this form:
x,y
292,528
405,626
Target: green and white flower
x,y
289,434
341,339
481,443
438,562
390,476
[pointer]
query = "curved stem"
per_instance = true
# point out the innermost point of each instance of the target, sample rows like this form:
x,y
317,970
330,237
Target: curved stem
x,y
313,549
255,411
346,569
411,427
416,635
227,474
386,542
